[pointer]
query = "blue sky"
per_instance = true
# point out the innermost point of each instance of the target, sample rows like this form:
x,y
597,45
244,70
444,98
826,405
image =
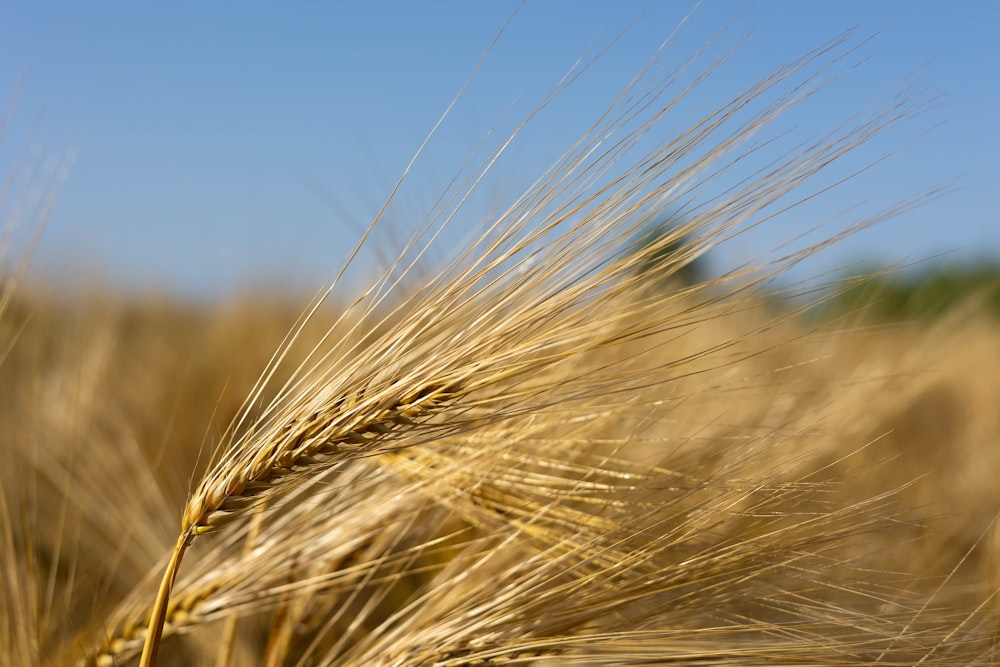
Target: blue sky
x,y
218,144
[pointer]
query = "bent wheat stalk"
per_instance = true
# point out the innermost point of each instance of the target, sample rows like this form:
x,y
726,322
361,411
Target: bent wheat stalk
x,y
538,290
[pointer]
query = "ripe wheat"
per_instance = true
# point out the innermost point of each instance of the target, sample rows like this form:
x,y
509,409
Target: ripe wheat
x,y
536,452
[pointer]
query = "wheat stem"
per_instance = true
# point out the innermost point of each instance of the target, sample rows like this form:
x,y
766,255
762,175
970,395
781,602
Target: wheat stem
x,y
155,629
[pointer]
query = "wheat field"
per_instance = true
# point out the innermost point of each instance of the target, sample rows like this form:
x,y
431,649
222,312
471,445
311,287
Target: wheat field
x,y
549,449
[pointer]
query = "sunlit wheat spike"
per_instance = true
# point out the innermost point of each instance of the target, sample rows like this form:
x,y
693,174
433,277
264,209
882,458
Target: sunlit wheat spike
x,y
542,288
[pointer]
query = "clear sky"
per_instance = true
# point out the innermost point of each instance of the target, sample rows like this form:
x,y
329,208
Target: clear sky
x,y
218,143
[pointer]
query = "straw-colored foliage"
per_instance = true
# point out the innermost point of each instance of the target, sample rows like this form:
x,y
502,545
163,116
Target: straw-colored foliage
x,y
544,451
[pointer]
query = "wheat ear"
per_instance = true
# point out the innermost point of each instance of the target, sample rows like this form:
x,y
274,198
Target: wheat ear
x,y
533,292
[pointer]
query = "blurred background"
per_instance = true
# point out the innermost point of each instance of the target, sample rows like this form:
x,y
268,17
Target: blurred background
x,y
206,149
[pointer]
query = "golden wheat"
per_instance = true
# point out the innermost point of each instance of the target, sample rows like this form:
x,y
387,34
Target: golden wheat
x,y
495,317
542,451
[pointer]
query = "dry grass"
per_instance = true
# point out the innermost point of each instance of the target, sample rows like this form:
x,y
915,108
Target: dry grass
x,y
537,453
